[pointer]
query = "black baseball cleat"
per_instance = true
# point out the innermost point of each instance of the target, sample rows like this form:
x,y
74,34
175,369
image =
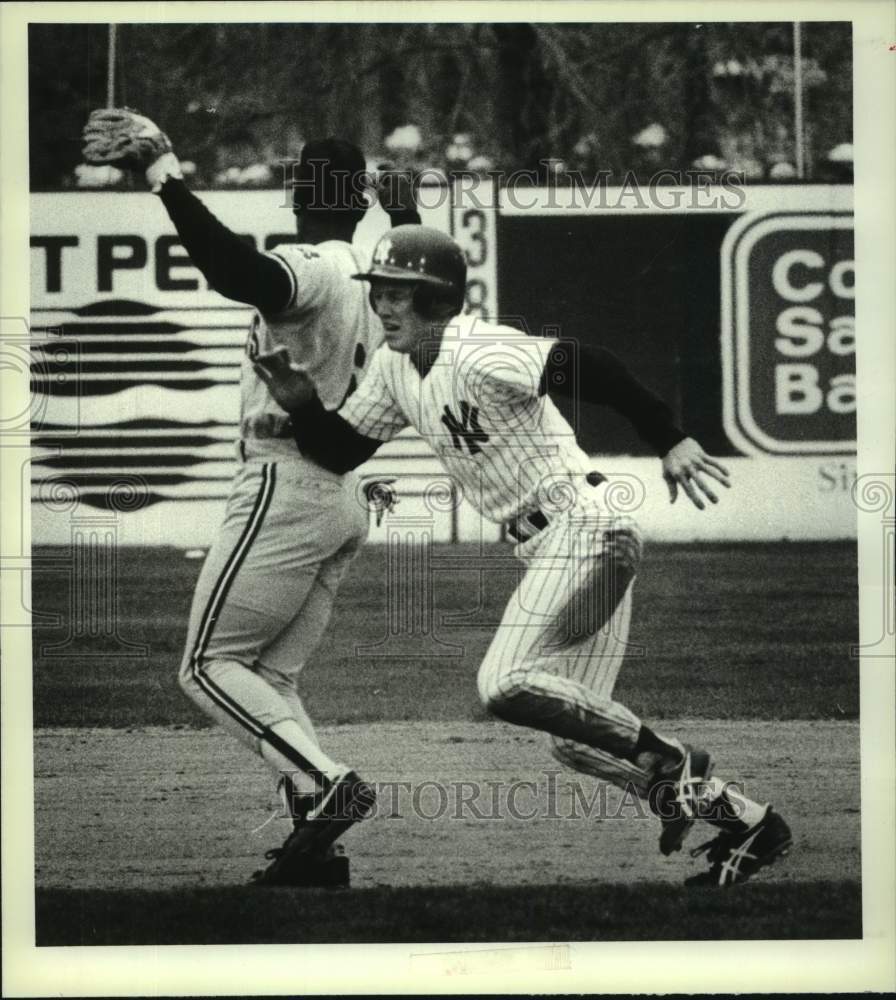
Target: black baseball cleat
x,y
736,856
343,804
329,870
674,793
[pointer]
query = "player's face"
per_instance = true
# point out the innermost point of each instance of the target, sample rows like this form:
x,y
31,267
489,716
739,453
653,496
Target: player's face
x,y
404,327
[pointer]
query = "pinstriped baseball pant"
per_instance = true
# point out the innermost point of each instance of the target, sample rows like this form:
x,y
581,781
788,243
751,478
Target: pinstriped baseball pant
x,y
554,660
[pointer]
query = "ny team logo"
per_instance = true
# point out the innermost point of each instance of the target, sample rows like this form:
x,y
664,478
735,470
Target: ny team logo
x,y
466,430
788,333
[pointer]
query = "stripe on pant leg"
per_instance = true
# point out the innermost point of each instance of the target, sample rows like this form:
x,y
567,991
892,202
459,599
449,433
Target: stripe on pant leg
x,y
207,624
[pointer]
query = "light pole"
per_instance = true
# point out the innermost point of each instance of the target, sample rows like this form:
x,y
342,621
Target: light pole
x,y
798,100
110,67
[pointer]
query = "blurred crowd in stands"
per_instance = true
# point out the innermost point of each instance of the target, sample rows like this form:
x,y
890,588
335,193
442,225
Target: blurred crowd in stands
x,y
406,148
758,152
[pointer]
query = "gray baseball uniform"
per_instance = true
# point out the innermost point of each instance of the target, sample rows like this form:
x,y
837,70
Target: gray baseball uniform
x,y
265,594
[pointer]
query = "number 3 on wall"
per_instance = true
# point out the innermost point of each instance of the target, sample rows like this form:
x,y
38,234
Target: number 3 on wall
x,y
476,242
474,230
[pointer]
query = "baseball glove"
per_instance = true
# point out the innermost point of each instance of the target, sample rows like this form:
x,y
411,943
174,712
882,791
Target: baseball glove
x,y
123,137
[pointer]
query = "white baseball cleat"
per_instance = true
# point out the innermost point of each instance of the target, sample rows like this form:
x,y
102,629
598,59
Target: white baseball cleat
x,y
736,856
674,794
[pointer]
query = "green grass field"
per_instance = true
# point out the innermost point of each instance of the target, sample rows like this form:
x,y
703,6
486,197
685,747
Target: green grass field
x,y
723,632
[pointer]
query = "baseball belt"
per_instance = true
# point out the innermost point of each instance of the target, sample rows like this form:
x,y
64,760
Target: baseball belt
x,y
525,526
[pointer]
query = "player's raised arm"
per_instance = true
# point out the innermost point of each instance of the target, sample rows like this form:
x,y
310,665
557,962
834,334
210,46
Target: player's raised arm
x,y
395,193
600,377
133,142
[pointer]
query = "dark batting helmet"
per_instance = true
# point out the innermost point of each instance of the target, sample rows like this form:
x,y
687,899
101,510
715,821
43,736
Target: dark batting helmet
x,y
426,258
332,177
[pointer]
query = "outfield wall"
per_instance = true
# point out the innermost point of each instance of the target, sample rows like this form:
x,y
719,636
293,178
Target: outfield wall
x,y
735,304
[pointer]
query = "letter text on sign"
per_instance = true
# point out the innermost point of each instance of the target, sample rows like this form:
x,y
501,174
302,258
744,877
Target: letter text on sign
x,y
789,339
109,258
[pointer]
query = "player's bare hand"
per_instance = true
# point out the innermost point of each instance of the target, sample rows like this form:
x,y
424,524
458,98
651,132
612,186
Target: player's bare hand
x,y
687,465
289,384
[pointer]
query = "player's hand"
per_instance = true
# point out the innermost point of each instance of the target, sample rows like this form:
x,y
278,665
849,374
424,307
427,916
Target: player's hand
x,y
289,384
688,466
394,189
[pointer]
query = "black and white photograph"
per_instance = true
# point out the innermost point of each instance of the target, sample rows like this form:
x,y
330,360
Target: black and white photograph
x,y
448,497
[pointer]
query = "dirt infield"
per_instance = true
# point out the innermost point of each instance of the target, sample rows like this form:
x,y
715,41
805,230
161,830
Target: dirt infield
x,y
156,808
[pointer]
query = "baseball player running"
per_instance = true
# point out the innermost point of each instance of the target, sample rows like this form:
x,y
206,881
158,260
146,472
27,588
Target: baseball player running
x,y
292,526
477,392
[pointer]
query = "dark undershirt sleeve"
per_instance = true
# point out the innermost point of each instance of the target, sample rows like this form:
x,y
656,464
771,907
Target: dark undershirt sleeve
x,y
232,267
328,439
598,376
405,217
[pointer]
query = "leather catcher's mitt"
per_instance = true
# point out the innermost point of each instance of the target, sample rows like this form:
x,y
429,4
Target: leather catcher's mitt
x,y
123,137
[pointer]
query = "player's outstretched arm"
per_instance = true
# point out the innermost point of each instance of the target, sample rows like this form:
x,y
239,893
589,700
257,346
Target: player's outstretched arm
x,y
131,141
598,376
233,268
395,193
321,434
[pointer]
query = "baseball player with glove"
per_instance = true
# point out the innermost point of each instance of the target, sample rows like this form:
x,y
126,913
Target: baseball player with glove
x,y
292,526
478,393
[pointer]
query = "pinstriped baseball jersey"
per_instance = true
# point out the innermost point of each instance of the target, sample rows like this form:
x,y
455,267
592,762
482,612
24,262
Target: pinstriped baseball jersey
x,y
328,327
508,447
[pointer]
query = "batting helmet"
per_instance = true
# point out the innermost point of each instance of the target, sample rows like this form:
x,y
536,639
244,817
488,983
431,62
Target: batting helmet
x,y
426,258
331,176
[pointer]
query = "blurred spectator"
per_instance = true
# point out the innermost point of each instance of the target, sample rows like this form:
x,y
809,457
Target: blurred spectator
x,y
404,139
405,148
650,151
708,168
432,176
748,167
732,68
554,169
772,74
88,176
709,162
782,171
652,137
837,167
256,175
481,164
230,177
459,151
586,153
841,154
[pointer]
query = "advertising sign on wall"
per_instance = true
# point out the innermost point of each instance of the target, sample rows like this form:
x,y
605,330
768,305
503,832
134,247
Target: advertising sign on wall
x,y
739,314
788,333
